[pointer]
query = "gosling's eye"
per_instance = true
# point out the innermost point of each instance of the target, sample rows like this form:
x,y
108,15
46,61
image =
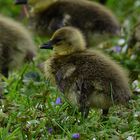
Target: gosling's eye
x,y
58,40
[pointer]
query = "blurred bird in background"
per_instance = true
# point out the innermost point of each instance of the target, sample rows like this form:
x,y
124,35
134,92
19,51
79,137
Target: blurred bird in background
x,y
95,21
16,45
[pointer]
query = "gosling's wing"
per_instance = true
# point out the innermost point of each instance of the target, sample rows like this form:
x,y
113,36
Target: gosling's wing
x,y
60,81
63,75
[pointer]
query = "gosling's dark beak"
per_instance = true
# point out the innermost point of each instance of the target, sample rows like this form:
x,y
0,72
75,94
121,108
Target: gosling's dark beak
x,y
19,2
48,45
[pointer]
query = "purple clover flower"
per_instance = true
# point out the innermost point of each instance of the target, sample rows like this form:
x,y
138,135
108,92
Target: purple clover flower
x,y
58,101
76,136
117,49
50,130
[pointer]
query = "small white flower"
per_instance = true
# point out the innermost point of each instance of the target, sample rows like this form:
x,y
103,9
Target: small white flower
x,y
130,138
121,41
137,3
124,49
137,114
135,83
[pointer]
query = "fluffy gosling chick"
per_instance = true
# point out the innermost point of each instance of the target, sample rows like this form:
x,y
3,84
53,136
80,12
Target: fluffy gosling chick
x,y
87,78
16,45
91,18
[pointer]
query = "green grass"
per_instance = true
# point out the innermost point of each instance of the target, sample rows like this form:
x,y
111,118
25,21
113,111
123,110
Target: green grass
x,y
28,111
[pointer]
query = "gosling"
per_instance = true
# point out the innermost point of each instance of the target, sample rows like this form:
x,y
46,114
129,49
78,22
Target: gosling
x,y
91,18
16,45
87,77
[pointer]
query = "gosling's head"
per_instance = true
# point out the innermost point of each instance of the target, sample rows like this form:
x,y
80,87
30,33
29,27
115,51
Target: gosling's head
x,y
65,41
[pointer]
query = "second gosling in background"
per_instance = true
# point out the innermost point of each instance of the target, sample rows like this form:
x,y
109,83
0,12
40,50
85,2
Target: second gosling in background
x,y
87,78
95,20
16,45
